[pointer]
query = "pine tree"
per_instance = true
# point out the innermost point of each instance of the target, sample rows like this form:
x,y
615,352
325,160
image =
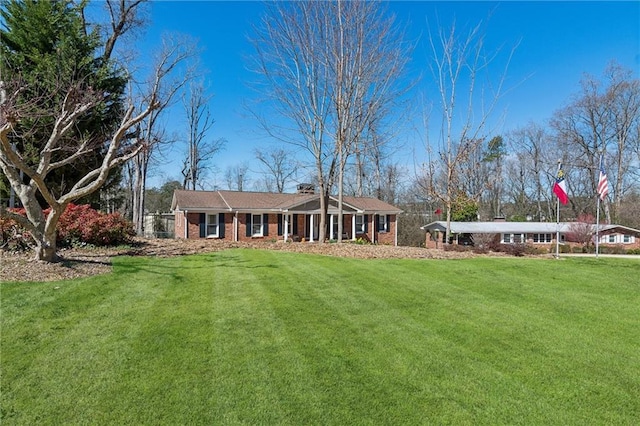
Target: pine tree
x,y
47,46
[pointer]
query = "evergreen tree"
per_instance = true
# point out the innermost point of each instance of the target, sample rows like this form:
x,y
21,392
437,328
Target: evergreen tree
x,y
47,47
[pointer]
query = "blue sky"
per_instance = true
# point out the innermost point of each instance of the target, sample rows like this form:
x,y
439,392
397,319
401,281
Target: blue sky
x,y
558,42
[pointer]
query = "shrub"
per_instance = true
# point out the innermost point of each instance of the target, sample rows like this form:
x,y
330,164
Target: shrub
x,y
517,250
361,241
480,249
13,237
78,225
485,242
618,249
82,224
457,247
533,250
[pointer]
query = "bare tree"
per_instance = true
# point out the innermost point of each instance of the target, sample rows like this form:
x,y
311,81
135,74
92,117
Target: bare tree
x,y
149,133
278,166
368,56
200,149
118,148
125,17
460,62
289,50
330,70
534,152
603,119
237,177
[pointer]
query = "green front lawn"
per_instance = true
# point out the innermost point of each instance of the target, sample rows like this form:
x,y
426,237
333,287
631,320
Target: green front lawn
x,y
260,337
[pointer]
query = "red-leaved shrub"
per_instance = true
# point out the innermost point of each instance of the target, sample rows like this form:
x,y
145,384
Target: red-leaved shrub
x,y
79,224
82,224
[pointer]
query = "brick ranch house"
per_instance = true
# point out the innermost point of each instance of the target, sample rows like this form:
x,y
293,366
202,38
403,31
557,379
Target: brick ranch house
x,y
540,234
247,216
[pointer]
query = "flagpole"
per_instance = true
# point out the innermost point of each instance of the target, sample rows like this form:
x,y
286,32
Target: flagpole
x,y
598,226
558,229
558,216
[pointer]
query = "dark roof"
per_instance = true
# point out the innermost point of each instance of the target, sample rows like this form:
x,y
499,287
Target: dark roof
x,y
198,199
269,201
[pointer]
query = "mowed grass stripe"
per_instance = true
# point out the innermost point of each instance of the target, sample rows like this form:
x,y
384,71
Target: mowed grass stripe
x,y
247,336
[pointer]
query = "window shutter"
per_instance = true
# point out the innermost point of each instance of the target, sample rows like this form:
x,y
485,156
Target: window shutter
x,y
295,224
203,225
265,224
280,224
248,222
388,223
221,225
377,222
366,223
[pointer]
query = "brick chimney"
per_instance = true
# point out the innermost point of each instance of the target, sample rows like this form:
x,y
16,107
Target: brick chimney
x,y
306,188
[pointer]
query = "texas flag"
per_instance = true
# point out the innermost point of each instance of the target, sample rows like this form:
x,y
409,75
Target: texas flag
x,y
560,187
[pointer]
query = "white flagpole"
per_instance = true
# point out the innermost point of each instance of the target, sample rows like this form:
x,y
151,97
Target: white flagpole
x,y
598,226
558,216
558,228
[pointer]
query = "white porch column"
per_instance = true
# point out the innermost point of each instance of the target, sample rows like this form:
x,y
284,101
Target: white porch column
x,y
353,227
286,227
235,227
311,228
373,228
331,236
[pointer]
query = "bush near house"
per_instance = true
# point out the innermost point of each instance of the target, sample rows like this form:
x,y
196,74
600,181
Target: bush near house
x,y
78,225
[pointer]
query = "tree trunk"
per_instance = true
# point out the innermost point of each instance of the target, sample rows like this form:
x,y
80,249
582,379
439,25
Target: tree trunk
x,y
137,193
46,240
324,208
46,248
341,196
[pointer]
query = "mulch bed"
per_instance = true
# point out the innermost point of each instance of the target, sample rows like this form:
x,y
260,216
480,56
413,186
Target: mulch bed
x,y
79,263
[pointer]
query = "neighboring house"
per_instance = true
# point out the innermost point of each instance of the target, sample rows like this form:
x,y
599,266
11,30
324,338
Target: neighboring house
x,y
246,216
535,233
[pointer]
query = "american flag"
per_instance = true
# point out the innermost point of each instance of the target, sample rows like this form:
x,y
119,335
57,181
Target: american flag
x,y
603,183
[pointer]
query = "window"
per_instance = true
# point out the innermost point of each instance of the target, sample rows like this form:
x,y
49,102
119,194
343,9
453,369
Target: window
x,y
383,225
512,238
212,225
334,231
256,225
627,239
612,238
360,224
542,238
